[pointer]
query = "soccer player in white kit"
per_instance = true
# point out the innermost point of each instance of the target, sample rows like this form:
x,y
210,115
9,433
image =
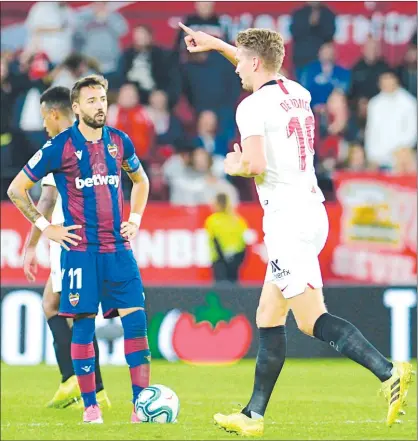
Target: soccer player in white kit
x,y
57,115
276,125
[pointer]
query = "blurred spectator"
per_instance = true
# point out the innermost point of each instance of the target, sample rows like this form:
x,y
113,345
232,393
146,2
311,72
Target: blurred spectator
x,y
365,73
204,92
132,118
391,121
50,30
204,19
323,76
208,135
356,126
337,110
176,165
332,120
74,67
356,159
312,26
168,128
407,71
196,183
98,32
151,66
14,147
226,233
405,161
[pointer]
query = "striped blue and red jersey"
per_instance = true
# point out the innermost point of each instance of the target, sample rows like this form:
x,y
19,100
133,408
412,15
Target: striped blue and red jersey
x,y
88,178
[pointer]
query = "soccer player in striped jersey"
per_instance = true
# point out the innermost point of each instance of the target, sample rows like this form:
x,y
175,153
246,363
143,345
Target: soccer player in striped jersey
x,y
57,115
97,261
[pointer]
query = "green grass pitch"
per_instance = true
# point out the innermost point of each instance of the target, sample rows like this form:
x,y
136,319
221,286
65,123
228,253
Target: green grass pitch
x,y
314,399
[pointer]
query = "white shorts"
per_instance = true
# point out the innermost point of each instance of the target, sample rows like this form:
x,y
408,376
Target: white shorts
x,y
55,262
294,237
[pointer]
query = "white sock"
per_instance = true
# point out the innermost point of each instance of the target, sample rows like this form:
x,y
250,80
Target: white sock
x,y
255,415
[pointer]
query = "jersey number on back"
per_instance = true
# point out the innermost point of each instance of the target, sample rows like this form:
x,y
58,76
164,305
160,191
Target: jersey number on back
x,y
304,137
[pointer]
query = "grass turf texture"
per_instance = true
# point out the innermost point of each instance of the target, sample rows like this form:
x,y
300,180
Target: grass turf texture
x,y
314,399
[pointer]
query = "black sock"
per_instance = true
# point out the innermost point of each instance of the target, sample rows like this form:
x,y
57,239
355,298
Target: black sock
x,y
99,380
270,360
347,339
62,345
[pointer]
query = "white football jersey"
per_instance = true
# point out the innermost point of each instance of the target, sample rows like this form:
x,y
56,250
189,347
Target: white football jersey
x,y
57,214
280,112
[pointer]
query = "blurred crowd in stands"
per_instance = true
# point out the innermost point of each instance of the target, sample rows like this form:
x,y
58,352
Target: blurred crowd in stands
x,y
179,108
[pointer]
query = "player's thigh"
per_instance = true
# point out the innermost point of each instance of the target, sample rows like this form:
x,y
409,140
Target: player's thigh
x,y
272,308
320,227
50,300
307,308
123,289
292,253
80,283
55,263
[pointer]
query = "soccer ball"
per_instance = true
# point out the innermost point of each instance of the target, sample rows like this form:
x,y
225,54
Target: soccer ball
x,y
157,404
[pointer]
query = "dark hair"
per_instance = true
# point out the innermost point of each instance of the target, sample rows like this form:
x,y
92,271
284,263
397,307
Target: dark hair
x,y
222,200
89,81
58,97
389,71
73,61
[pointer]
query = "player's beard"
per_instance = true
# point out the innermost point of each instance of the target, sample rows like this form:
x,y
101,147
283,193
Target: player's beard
x,y
93,122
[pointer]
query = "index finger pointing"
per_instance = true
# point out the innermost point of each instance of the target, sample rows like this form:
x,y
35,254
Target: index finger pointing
x,y
186,29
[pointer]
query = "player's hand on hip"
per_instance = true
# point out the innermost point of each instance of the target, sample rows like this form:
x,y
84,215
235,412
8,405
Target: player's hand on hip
x,y
30,264
128,230
198,41
62,235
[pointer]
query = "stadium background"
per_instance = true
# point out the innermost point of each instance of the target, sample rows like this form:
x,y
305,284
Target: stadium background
x,y
369,262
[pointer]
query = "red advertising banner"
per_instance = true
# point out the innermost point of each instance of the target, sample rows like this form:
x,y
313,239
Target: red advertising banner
x,y
372,238
373,235
391,22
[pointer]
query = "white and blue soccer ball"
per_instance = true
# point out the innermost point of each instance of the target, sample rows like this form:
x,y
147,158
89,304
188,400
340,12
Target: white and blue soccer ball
x,y
157,404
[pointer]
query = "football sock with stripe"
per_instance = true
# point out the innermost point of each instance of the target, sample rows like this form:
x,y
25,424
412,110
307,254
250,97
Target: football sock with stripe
x,y
137,353
270,359
345,338
83,356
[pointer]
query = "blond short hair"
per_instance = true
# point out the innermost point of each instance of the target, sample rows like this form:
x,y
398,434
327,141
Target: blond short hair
x,y
89,81
266,44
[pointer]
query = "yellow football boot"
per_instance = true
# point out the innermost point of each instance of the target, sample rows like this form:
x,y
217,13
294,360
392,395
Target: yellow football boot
x,y
395,390
102,400
240,423
67,393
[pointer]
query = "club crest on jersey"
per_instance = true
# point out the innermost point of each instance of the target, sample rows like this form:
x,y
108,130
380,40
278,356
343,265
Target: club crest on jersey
x,y
113,150
74,298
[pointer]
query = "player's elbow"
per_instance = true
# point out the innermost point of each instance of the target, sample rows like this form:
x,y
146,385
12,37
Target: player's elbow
x,y
258,166
12,191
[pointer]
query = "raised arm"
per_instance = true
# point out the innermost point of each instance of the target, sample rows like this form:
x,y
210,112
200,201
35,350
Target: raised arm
x,y
198,41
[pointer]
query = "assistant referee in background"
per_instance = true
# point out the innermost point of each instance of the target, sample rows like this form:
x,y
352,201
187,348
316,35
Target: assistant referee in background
x,y
226,231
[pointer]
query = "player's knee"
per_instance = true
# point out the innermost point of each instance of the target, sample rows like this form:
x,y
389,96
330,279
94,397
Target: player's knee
x,y
50,306
306,326
274,316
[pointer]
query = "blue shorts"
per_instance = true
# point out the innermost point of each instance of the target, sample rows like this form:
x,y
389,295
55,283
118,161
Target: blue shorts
x,y
89,279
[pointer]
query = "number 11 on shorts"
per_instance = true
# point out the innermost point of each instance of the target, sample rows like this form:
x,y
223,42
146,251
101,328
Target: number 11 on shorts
x,y
75,274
